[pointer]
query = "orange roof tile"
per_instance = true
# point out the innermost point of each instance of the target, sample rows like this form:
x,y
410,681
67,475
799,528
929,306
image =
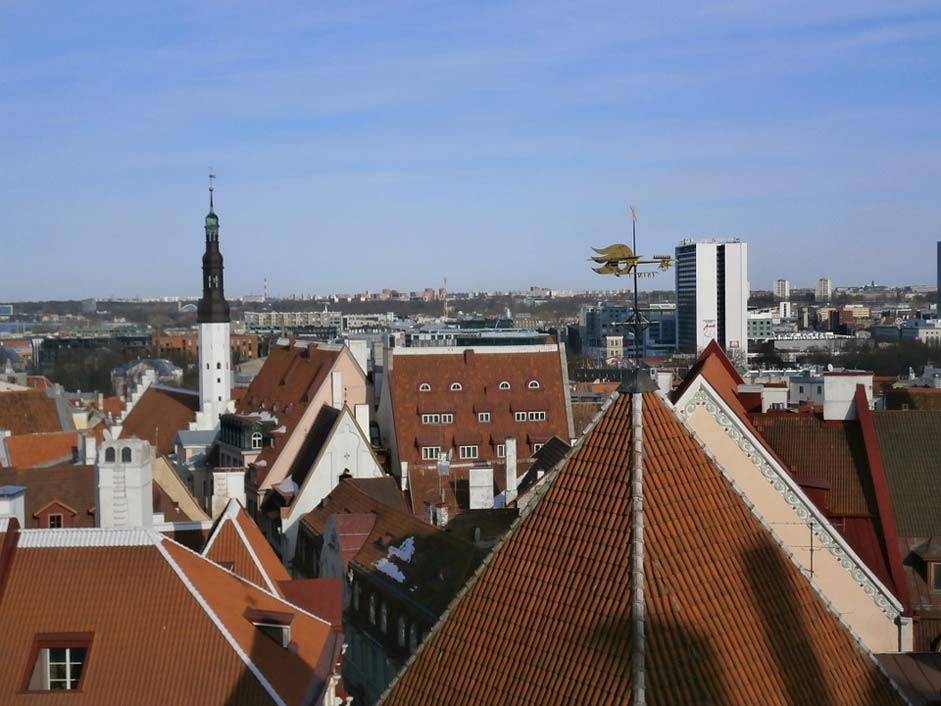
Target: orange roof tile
x,y
238,544
29,450
159,414
28,412
729,618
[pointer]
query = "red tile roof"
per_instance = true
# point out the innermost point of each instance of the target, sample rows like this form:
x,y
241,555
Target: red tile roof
x,y
323,597
29,450
479,372
67,484
729,618
238,544
28,412
159,414
166,626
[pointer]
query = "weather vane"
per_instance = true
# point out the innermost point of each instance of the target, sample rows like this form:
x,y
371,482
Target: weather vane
x,y
619,260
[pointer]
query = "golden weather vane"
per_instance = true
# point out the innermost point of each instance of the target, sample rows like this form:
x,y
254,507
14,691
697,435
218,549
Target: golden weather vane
x,y
619,260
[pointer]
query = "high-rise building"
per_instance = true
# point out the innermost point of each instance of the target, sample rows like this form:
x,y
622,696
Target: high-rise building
x,y
939,280
212,315
782,289
824,290
712,295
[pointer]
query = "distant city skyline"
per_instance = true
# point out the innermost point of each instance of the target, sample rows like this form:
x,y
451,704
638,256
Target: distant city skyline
x,y
393,144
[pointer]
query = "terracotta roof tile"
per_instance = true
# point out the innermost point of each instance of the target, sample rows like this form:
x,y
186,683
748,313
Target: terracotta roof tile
x,y
730,619
159,414
29,450
65,483
29,412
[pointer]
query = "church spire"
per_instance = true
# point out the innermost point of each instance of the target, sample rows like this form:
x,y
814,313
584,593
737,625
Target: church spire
x,y
212,308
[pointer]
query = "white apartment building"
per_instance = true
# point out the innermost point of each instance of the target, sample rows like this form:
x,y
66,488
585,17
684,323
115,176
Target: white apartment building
x,y
712,295
824,290
782,289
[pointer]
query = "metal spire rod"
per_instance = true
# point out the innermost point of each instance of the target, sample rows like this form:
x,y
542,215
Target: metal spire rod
x,y
212,176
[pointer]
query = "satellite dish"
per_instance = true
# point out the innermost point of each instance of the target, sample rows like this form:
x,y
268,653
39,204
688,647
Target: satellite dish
x,y
830,367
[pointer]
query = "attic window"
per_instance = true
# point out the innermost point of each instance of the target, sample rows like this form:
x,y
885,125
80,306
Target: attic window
x,y
58,663
533,385
424,387
456,387
256,440
504,385
274,624
110,456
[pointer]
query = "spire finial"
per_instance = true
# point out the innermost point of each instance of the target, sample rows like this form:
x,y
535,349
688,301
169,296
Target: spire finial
x,y
212,175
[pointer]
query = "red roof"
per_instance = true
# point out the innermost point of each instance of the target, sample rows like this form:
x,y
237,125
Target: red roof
x,y
730,619
28,412
29,450
159,414
479,372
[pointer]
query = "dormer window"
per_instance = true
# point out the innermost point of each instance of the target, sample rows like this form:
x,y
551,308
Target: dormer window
x,y
424,387
456,387
274,624
934,576
59,663
533,385
256,440
504,385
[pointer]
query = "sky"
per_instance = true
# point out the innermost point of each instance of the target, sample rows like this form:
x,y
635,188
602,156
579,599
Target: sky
x,y
392,144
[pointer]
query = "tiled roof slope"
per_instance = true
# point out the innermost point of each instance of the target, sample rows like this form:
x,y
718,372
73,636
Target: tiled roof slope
x,y
480,374
166,625
237,543
910,446
29,412
831,451
159,414
28,450
730,619
66,483
286,383
356,495
714,365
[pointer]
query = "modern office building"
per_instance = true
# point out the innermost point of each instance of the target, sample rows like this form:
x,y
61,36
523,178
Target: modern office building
x,y
712,295
782,289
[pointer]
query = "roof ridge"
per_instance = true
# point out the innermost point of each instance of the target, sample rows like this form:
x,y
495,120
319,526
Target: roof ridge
x,y
220,626
89,537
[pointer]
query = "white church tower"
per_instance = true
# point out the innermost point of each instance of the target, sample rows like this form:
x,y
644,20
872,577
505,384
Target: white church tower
x,y
215,357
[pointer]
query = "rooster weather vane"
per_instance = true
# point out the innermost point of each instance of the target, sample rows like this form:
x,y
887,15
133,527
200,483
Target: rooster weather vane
x,y
619,260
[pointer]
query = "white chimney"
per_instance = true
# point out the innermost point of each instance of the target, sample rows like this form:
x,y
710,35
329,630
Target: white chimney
x,y
86,449
124,481
511,469
336,388
13,502
403,479
665,381
361,412
227,484
839,392
481,487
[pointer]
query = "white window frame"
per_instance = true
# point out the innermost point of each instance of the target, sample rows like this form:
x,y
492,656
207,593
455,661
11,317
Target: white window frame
x,y
468,452
520,416
533,385
501,450
447,419
430,453
537,416
70,683
504,385
456,387
431,419
536,447
424,387
61,520
483,417
257,439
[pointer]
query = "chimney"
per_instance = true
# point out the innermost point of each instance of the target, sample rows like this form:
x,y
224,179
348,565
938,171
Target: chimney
x,y
441,514
361,412
839,391
86,449
511,470
124,481
665,381
480,483
227,484
403,479
13,502
336,388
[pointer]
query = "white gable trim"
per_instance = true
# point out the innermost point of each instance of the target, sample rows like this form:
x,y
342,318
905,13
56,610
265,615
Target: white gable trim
x,y
229,515
701,393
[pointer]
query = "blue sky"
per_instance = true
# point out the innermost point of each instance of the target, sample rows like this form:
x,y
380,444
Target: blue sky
x,y
363,145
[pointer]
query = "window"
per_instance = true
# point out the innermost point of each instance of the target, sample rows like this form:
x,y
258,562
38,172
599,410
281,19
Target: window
x,y
357,593
520,416
456,387
401,631
447,419
537,416
256,440
467,451
819,389
384,617
58,665
533,385
501,450
55,521
800,389
504,385
483,416
372,609
126,454
110,456
430,453
431,419
536,447
218,366
935,577
219,380
424,387
413,638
